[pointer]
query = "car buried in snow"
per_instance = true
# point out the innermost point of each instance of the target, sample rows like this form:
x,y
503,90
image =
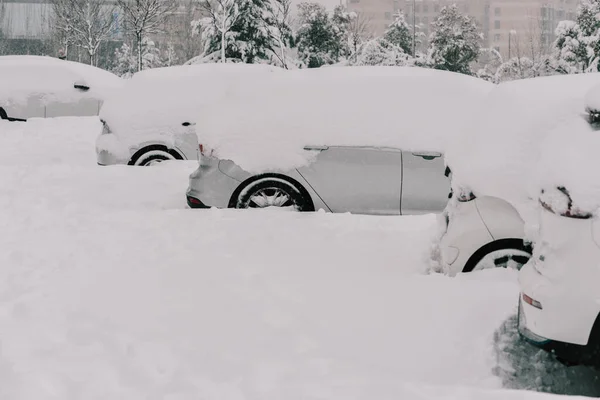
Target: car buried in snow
x,y
150,120
559,304
365,140
45,87
483,225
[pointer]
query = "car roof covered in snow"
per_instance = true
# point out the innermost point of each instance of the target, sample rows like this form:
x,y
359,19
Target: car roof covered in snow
x,y
266,125
155,101
500,152
52,78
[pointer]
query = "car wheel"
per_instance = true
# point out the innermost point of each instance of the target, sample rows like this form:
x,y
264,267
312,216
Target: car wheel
x,y
272,192
152,156
504,253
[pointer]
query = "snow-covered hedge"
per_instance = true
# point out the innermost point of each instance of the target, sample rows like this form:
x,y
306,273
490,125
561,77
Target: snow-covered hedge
x,y
265,125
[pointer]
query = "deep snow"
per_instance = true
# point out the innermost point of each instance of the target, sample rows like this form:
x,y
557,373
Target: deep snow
x,y
111,289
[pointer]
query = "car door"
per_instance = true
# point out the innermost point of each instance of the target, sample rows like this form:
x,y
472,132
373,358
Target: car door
x,y
78,103
361,180
425,187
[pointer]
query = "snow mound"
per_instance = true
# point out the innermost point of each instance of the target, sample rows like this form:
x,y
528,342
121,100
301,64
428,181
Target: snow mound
x,y
500,152
155,100
265,125
52,79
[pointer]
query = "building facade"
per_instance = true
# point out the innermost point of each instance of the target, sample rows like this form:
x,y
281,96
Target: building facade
x,y
512,27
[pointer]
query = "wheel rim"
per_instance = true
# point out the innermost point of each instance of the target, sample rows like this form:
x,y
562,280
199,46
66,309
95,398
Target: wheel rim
x,y
270,197
503,258
153,162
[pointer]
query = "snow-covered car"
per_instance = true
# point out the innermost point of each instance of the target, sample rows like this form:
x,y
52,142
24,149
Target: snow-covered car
x,y
44,87
484,224
354,139
151,119
559,306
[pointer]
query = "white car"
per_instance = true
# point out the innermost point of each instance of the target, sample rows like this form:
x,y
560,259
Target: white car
x,y
44,87
483,225
152,118
559,306
480,233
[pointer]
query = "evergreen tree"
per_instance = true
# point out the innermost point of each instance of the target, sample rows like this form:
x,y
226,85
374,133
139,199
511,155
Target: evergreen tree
x,y
455,41
125,62
317,39
570,53
399,33
239,30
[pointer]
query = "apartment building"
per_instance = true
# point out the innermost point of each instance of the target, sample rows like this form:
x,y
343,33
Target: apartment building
x,y
507,25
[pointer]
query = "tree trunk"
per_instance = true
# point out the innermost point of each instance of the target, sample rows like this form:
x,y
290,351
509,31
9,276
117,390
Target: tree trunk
x,y
223,59
139,51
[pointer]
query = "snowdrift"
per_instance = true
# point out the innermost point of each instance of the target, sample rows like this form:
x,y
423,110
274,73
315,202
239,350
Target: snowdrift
x,y
265,125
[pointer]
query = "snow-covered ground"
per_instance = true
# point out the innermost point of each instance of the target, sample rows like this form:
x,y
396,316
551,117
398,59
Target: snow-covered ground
x,y
111,289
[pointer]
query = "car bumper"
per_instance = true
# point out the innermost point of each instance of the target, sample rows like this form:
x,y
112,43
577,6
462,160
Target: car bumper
x,y
209,186
111,151
562,326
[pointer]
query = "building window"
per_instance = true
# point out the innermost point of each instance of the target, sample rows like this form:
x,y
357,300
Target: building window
x,y
497,37
417,20
497,48
425,20
497,11
425,8
496,24
388,15
417,8
436,8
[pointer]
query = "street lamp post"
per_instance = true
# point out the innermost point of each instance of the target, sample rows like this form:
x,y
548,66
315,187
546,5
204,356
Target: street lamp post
x,y
414,30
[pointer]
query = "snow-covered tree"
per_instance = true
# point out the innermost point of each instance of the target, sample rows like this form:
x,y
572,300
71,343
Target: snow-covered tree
x,y
151,57
341,20
239,30
84,23
125,62
280,30
381,52
399,33
319,40
359,32
455,41
217,27
142,18
570,53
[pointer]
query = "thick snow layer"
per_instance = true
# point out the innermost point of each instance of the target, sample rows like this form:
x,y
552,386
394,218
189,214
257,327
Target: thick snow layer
x,y
500,152
569,158
157,101
265,125
52,79
112,289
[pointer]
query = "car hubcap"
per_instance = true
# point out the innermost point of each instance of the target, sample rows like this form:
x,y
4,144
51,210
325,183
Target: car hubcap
x,y
505,258
270,197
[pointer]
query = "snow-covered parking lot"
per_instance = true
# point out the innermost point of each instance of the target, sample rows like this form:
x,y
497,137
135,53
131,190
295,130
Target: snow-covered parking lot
x,y
110,288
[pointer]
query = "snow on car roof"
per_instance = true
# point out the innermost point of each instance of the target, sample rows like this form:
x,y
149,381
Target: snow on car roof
x,y
21,77
501,149
266,125
154,101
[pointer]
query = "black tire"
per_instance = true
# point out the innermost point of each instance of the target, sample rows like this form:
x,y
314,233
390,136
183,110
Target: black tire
x,y
502,244
272,186
152,154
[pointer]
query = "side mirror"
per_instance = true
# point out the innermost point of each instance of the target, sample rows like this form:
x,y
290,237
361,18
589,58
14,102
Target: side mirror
x,y
81,85
188,124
